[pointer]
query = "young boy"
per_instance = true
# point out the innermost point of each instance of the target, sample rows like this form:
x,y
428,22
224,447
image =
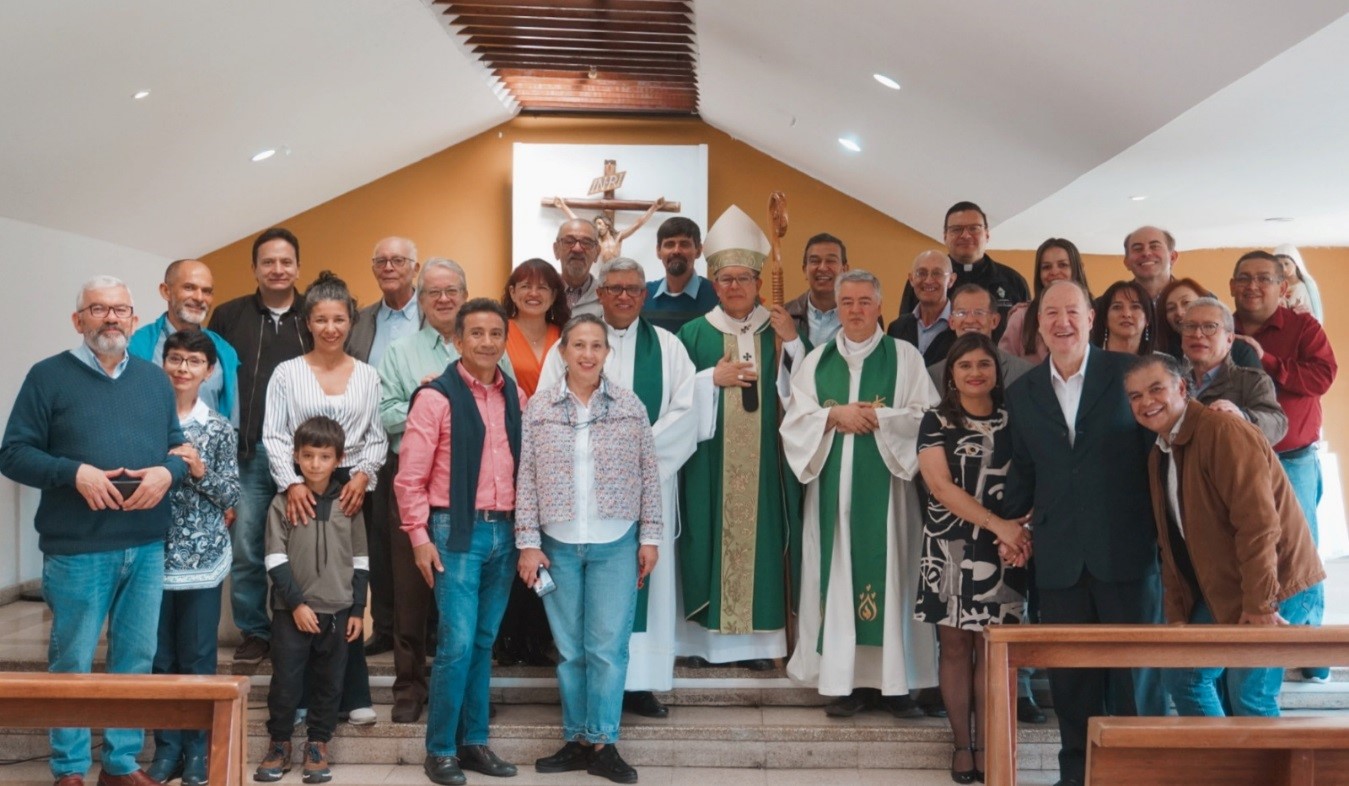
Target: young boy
x,y
197,550
319,572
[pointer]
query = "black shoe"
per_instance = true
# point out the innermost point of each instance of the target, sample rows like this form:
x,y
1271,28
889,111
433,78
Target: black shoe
x,y
758,664
901,706
1027,711
644,703
572,756
536,652
407,710
444,770
164,770
252,650
850,705
929,699
507,651
379,644
480,758
697,662
606,763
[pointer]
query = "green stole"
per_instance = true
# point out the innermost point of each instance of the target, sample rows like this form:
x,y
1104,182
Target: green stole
x,y
870,487
648,382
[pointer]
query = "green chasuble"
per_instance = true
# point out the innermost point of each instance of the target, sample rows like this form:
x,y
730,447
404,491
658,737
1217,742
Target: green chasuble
x,y
870,501
737,541
648,382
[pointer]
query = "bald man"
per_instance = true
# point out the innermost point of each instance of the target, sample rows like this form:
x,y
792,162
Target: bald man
x,y
189,290
928,326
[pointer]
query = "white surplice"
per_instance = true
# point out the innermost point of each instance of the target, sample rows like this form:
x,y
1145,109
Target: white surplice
x,y
908,657
651,654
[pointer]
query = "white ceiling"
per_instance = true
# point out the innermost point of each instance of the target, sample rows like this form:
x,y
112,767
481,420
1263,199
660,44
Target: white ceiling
x,y
1049,113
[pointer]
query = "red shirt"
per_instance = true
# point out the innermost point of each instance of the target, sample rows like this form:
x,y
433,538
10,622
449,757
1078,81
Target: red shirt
x,y
422,482
1299,360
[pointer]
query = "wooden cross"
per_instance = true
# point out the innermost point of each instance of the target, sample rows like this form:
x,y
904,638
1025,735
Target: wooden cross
x,y
608,184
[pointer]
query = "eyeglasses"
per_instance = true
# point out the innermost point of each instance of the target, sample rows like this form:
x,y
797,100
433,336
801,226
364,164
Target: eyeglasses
x,y
586,243
99,311
632,290
935,274
178,361
977,313
437,294
740,281
956,230
1209,329
1264,280
394,262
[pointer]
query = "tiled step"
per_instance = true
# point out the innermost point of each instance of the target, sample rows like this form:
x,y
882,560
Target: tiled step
x,y
724,737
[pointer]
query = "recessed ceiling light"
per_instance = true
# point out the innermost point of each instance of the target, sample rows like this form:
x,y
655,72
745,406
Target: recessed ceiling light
x,y
264,155
1280,219
139,94
849,144
1138,197
885,80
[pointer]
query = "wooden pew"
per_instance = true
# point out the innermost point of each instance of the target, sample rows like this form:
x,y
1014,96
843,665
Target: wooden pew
x,y
152,701
1302,751
1008,647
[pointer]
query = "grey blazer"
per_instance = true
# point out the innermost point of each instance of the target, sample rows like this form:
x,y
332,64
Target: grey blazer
x,y
1251,390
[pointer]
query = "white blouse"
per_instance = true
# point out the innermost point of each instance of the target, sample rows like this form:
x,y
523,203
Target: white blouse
x,y
294,396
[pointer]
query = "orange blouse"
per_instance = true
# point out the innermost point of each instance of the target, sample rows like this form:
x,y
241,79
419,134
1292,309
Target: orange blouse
x,y
527,367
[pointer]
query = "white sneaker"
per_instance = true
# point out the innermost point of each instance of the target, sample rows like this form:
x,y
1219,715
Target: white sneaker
x,y
364,716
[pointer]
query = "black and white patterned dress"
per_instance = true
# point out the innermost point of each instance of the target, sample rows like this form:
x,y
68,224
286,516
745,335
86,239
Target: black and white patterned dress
x,y
962,581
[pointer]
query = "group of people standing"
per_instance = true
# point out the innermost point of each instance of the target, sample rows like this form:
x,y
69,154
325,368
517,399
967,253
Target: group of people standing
x,y
637,471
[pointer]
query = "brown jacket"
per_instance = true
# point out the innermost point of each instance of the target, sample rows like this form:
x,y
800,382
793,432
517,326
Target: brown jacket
x,y
1251,548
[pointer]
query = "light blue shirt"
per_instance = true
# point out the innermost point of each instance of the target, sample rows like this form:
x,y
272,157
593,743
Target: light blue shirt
x,y
824,325
690,289
1201,384
212,388
939,325
391,325
84,353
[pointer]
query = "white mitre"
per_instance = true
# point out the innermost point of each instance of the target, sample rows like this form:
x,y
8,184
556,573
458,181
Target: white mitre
x,y
735,240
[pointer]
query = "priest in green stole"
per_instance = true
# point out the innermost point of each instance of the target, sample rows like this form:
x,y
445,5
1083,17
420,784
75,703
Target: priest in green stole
x,y
652,363
852,424
739,503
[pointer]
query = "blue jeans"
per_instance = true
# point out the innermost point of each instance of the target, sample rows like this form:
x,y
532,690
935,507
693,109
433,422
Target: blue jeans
x,y
1250,691
471,595
188,621
591,614
248,576
122,588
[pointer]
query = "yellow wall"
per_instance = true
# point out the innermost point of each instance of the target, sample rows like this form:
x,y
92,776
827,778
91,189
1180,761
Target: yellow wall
x,y
457,203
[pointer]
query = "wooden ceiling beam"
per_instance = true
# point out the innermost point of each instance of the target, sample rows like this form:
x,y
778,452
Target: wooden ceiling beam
x,y
611,76
502,22
576,35
622,68
592,17
596,6
571,42
582,57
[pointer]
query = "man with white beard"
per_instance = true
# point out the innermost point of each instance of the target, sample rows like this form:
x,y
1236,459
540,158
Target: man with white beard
x,y
97,431
654,364
189,290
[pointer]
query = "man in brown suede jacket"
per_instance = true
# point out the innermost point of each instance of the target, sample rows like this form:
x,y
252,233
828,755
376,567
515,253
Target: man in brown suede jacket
x,y
1235,546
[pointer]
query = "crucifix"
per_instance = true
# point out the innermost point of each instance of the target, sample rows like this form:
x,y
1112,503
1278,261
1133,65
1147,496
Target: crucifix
x,y
610,238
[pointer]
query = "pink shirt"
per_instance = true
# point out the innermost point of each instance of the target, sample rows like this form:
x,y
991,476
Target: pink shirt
x,y
422,482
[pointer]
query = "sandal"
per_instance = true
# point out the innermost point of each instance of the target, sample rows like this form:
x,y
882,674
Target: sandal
x,y
978,773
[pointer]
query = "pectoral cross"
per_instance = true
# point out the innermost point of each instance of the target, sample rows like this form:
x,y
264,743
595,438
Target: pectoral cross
x,y
607,185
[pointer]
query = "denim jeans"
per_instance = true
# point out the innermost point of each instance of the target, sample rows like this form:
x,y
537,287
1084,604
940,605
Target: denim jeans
x,y
591,615
123,588
1304,475
471,595
1250,691
248,576
188,621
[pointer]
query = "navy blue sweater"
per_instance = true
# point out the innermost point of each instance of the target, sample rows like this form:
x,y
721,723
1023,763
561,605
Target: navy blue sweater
x,y
68,414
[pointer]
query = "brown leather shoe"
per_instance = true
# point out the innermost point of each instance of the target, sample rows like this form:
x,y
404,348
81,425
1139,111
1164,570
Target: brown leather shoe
x,y
71,779
133,778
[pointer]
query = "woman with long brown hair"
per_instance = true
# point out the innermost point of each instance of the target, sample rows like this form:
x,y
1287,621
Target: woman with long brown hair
x,y
1056,259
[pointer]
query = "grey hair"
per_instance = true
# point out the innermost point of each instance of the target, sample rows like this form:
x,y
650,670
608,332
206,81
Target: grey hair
x,y
620,265
100,282
412,247
584,319
857,276
447,264
1229,324
1169,364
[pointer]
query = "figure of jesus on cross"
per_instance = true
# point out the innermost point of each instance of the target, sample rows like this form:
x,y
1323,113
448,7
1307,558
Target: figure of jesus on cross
x,y
610,237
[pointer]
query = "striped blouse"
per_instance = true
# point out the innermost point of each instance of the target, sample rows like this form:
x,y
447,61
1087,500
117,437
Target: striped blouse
x,y
294,396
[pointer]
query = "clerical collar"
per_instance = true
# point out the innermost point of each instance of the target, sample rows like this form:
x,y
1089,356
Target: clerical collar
x,y
850,347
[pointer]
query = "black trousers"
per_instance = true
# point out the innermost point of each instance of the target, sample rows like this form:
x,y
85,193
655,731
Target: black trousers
x,y
1080,694
414,612
381,508
323,656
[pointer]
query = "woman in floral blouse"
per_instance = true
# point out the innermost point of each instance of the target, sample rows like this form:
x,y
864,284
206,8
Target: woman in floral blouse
x,y
197,550
588,508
